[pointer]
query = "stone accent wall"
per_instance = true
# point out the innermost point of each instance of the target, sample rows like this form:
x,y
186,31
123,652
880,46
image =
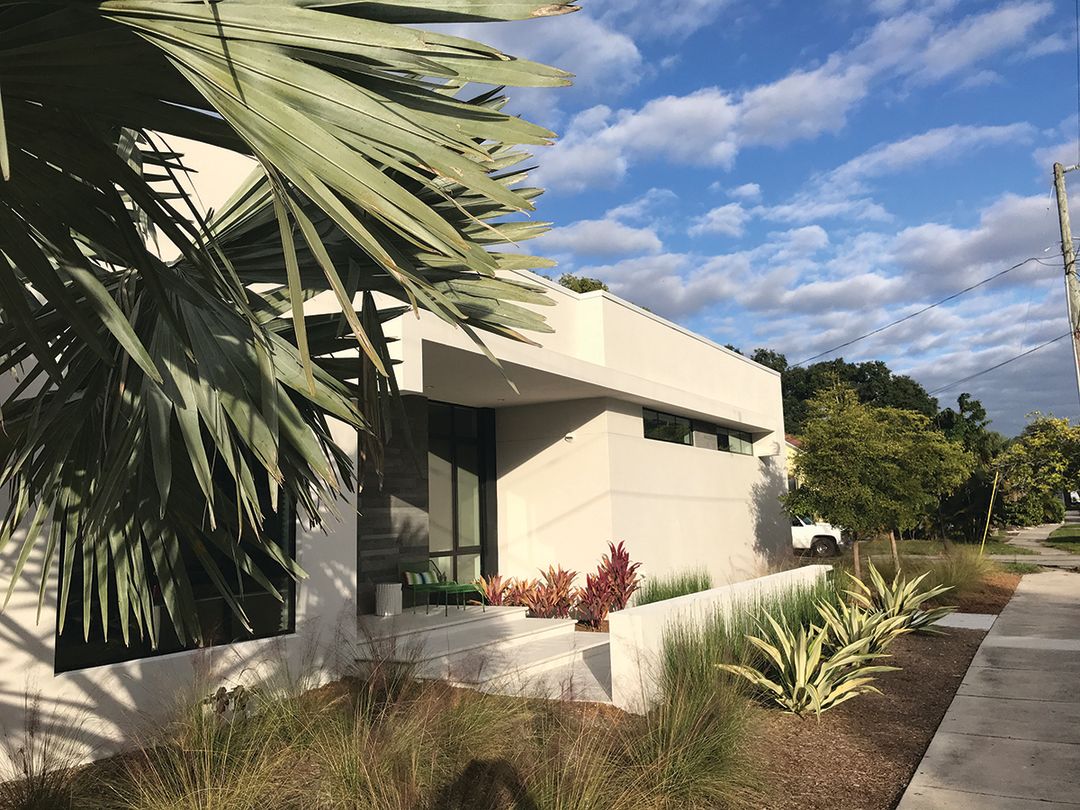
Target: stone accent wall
x,y
393,523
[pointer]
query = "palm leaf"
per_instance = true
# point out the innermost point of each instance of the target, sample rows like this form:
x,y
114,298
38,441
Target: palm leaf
x,y
162,400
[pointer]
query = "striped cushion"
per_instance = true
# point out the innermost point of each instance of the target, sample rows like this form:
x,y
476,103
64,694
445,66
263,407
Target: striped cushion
x,y
419,578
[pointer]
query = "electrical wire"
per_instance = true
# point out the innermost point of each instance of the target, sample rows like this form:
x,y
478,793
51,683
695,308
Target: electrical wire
x,y
927,308
999,365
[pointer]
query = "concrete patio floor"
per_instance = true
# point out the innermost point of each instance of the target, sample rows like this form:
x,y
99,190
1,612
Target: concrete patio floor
x,y
1011,737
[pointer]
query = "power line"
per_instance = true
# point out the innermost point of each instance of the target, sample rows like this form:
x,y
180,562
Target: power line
x,y
927,308
999,365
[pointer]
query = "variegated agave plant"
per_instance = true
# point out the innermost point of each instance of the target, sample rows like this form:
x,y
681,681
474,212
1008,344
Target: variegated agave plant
x,y
158,401
802,674
901,598
848,624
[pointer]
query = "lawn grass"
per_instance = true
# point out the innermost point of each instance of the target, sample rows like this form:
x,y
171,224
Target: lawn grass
x,y
1067,538
1020,568
933,548
678,584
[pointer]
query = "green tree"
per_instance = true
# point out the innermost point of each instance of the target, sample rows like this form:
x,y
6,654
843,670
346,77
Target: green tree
x,y
167,406
873,381
1042,462
962,514
581,284
774,360
870,469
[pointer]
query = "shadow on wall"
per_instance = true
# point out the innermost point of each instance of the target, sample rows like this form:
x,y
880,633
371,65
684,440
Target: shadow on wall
x,y
378,557
772,527
98,711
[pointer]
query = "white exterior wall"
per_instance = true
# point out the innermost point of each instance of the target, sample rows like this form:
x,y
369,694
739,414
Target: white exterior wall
x,y
554,486
637,634
110,706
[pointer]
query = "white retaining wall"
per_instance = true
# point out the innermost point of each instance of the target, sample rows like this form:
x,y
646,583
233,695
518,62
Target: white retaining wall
x,y
637,633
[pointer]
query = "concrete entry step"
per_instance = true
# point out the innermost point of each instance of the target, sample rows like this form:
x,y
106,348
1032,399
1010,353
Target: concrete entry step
x,y
575,667
418,621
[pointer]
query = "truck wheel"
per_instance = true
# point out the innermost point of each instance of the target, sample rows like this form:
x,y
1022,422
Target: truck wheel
x,y
823,547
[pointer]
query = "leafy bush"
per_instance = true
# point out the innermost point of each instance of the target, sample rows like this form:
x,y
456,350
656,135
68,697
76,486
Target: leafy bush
x,y
520,592
621,573
555,596
594,600
494,589
803,675
673,586
900,598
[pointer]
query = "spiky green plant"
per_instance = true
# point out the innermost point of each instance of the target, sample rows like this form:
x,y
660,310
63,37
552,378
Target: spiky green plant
x,y
802,675
848,624
900,598
167,406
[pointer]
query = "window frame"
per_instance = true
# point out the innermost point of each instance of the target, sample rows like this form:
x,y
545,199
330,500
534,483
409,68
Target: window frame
x,y
686,441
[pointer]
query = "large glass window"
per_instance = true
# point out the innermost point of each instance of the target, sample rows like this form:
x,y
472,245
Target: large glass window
x,y
219,625
666,427
459,448
734,441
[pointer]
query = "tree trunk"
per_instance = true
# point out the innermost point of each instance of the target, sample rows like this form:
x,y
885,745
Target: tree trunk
x,y
855,559
895,553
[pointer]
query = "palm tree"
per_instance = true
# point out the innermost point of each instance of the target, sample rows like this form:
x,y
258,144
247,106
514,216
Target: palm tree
x,y
163,407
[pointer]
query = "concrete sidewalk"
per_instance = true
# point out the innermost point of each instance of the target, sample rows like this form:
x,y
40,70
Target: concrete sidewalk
x,y
1011,737
1030,539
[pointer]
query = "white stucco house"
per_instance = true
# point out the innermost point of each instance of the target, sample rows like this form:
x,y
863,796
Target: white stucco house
x,y
624,427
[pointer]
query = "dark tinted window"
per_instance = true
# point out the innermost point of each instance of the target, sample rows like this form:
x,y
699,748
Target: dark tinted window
x,y
734,441
666,427
269,617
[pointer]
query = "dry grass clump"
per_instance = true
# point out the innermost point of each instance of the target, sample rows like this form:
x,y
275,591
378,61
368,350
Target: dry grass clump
x,y
381,740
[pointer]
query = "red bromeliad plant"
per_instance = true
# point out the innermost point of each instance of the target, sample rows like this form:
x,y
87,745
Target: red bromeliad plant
x,y
495,589
594,600
520,592
556,596
621,575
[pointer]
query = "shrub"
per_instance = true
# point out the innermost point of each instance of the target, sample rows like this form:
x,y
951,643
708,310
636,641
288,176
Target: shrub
x,y
555,596
494,589
520,592
675,585
594,600
802,675
900,598
848,624
623,576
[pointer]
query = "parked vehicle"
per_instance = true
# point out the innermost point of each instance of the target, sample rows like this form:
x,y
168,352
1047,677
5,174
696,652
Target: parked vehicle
x,y
820,539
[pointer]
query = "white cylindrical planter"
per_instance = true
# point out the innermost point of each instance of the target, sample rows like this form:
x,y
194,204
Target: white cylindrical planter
x,y
388,599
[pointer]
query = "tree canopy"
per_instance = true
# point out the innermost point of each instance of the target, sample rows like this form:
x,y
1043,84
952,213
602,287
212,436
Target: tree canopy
x,y
872,469
581,284
1035,469
165,407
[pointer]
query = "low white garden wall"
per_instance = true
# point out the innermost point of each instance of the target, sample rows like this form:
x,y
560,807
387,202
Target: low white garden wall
x,y
637,633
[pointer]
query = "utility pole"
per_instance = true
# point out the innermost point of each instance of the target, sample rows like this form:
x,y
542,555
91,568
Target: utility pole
x,y
1072,283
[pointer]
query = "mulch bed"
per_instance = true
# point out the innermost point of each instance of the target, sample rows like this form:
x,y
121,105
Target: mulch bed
x,y
861,755
993,593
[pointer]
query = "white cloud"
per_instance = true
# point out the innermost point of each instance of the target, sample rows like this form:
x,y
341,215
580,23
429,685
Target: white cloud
x,y
747,191
979,36
659,18
843,192
709,126
729,220
643,207
602,237
1054,43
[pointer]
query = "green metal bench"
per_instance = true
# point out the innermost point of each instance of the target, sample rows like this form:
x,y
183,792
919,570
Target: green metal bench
x,y
426,579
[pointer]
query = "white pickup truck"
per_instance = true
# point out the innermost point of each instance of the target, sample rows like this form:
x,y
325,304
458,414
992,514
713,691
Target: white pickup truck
x,y
820,539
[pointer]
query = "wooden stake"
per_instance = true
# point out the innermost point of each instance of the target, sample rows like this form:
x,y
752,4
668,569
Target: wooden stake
x,y
895,553
855,558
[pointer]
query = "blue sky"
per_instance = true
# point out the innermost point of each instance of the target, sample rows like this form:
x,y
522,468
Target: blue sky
x,y
792,175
